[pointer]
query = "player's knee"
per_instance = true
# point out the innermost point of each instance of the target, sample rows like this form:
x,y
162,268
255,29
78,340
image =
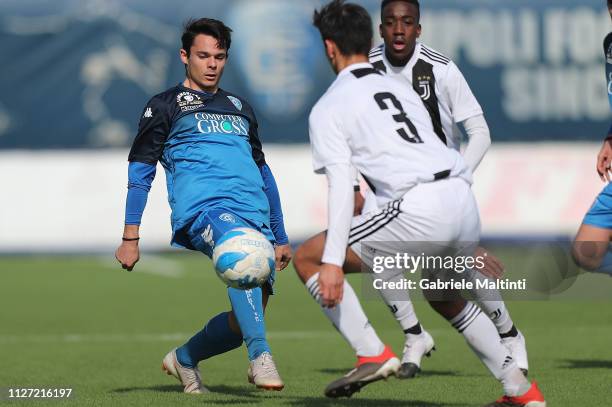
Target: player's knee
x,y
585,256
305,263
449,309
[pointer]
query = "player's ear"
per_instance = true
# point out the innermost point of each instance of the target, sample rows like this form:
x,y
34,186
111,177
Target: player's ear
x,y
184,56
380,30
330,49
418,30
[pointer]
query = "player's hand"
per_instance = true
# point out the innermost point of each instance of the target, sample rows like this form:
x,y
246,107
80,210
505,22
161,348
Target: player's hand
x,y
331,285
359,202
493,267
604,159
128,255
283,255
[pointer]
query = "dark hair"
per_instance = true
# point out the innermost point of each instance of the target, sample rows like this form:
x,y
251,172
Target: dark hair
x,y
348,25
415,3
207,26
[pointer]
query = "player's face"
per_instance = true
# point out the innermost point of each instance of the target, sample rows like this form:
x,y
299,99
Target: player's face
x,y
400,30
205,62
610,8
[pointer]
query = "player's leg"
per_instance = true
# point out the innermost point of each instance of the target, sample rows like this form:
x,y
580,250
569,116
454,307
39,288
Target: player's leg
x,y
348,316
215,338
375,361
591,249
477,329
493,305
400,305
418,342
248,308
482,337
224,332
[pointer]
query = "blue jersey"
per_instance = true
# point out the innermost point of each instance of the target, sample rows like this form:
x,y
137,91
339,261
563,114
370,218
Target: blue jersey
x,y
211,152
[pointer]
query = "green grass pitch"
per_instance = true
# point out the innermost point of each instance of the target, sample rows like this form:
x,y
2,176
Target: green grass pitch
x,y
82,322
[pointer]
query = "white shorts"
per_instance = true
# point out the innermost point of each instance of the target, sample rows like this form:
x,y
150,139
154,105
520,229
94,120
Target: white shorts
x,y
442,213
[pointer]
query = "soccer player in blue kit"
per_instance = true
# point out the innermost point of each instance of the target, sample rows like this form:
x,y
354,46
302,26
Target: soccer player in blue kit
x,y
591,249
217,178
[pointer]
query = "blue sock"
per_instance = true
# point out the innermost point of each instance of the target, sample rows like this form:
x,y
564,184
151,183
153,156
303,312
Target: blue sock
x,y
248,308
214,339
606,263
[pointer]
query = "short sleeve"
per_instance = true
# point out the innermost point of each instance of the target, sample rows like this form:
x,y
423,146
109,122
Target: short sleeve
x,y
153,130
328,142
462,102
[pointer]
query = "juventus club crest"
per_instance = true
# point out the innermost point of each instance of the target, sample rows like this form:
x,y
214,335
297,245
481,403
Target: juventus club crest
x,y
424,87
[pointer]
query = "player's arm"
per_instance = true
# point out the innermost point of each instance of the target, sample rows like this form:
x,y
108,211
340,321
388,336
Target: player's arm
x,y
479,140
331,155
144,154
282,249
467,112
604,158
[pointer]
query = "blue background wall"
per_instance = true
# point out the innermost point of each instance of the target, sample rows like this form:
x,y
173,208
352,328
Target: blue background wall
x,y
76,74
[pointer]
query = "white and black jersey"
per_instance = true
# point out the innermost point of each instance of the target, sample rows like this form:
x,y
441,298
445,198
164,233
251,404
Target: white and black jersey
x,y
443,89
364,120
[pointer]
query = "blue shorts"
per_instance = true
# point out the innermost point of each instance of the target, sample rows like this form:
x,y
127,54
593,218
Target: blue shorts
x,y
211,225
600,214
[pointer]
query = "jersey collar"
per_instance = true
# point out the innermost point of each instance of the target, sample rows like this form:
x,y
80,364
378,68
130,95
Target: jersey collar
x,y
203,94
352,67
411,62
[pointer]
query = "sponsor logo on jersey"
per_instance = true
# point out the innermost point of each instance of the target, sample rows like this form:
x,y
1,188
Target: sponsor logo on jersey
x,y
148,113
424,86
208,123
188,101
227,217
236,102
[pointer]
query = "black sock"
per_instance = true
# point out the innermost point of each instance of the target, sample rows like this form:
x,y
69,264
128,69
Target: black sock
x,y
511,333
415,330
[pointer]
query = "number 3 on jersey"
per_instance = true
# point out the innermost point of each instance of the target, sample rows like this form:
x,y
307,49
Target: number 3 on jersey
x,y
412,135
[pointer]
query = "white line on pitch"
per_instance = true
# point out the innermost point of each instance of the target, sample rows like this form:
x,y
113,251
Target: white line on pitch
x,y
159,337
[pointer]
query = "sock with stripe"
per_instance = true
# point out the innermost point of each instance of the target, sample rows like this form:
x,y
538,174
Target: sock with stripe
x,y
493,305
499,315
481,335
350,320
398,301
214,339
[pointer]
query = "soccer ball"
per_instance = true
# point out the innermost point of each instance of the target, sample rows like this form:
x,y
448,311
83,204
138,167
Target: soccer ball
x,y
243,258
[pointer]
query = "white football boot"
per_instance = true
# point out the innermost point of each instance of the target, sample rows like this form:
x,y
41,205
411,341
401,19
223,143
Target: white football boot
x,y
518,350
263,373
415,347
189,377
